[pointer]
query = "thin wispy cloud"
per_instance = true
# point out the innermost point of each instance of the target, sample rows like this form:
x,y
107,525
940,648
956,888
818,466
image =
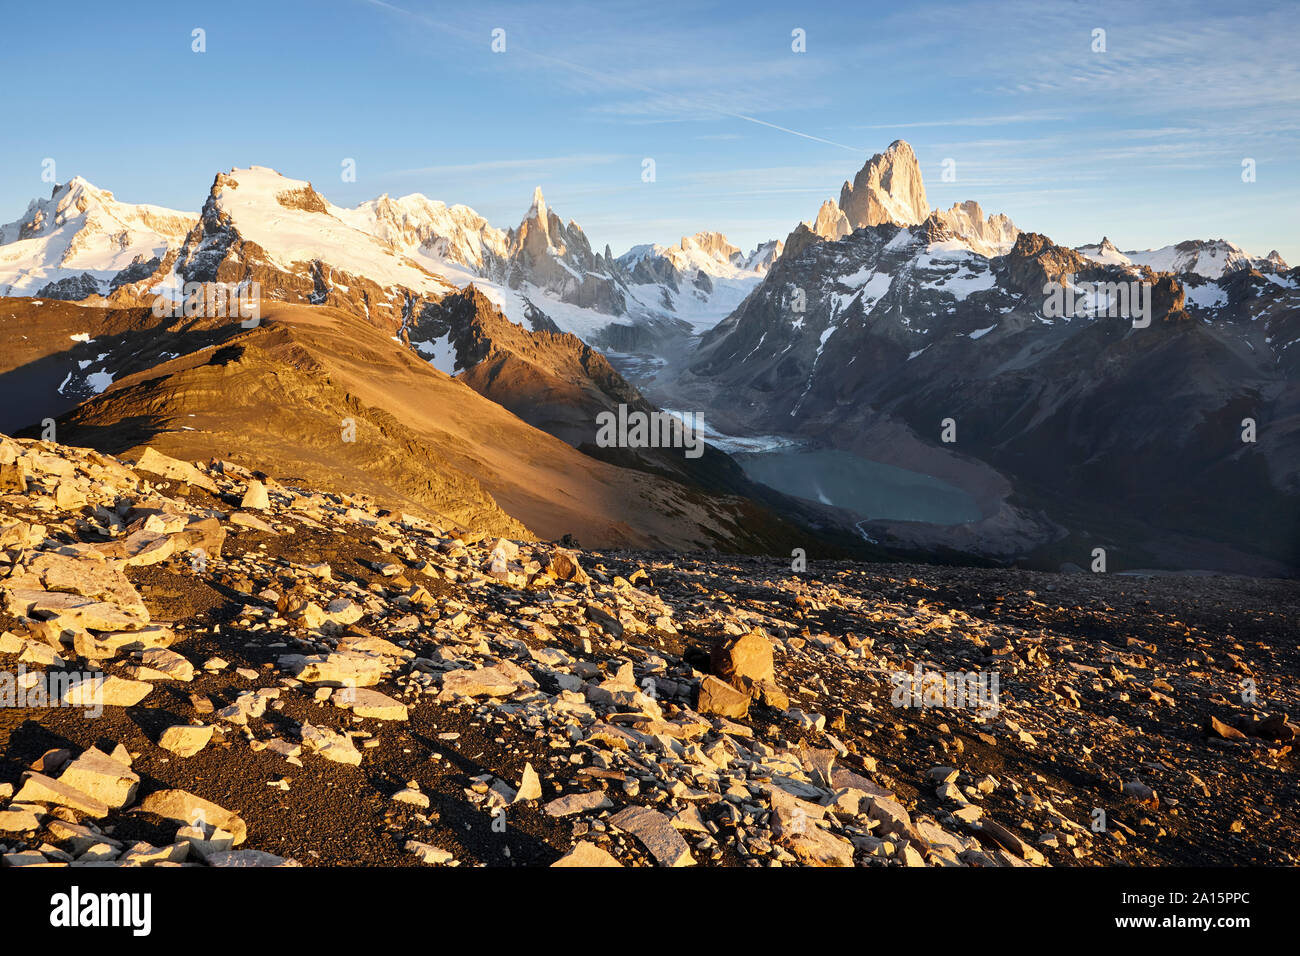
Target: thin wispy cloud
x,y
586,93
1004,120
629,79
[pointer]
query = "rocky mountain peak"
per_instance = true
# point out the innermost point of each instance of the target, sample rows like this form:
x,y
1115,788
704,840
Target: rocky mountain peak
x,y
76,198
888,189
713,244
831,223
80,238
1035,260
800,239
538,209
78,188
989,237
558,257
765,255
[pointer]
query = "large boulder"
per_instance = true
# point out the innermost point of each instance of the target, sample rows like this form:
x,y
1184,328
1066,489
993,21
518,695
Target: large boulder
x,y
718,697
745,661
156,463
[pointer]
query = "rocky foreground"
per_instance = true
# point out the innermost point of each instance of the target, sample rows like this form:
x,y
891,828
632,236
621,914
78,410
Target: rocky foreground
x,y
258,674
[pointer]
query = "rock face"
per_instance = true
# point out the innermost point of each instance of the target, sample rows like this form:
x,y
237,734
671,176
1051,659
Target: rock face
x,y
558,258
549,379
992,236
869,342
888,189
831,222
1035,261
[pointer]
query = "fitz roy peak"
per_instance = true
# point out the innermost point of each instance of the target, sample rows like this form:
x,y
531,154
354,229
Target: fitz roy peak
x,y
887,189
890,189
865,338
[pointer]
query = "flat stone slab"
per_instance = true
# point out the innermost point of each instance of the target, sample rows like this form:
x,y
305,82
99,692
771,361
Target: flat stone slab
x,y
891,815
188,810
586,854
185,740
110,691
330,745
90,578
256,497
484,682
719,697
74,610
530,786
38,788
252,522
156,463
427,853
369,703
164,664
656,833
18,821
145,638
143,548
342,669
577,803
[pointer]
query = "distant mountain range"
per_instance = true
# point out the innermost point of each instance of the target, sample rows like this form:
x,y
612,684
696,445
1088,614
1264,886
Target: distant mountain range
x,y
384,257
1097,431
872,322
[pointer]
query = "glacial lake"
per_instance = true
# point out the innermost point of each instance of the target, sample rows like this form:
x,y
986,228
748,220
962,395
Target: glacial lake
x,y
869,488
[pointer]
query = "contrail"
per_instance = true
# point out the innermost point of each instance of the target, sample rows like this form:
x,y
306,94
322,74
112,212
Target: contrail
x,y
612,78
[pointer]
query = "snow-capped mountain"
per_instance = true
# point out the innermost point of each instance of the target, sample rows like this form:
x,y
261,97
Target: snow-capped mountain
x,y
82,242
865,342
546,253
989,237
380,258
1104,252
416,225
1208,258
890,189
707,252
870,323
700,280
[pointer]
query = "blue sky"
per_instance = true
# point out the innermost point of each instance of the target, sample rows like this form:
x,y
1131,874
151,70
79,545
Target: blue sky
x,y
1143,142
